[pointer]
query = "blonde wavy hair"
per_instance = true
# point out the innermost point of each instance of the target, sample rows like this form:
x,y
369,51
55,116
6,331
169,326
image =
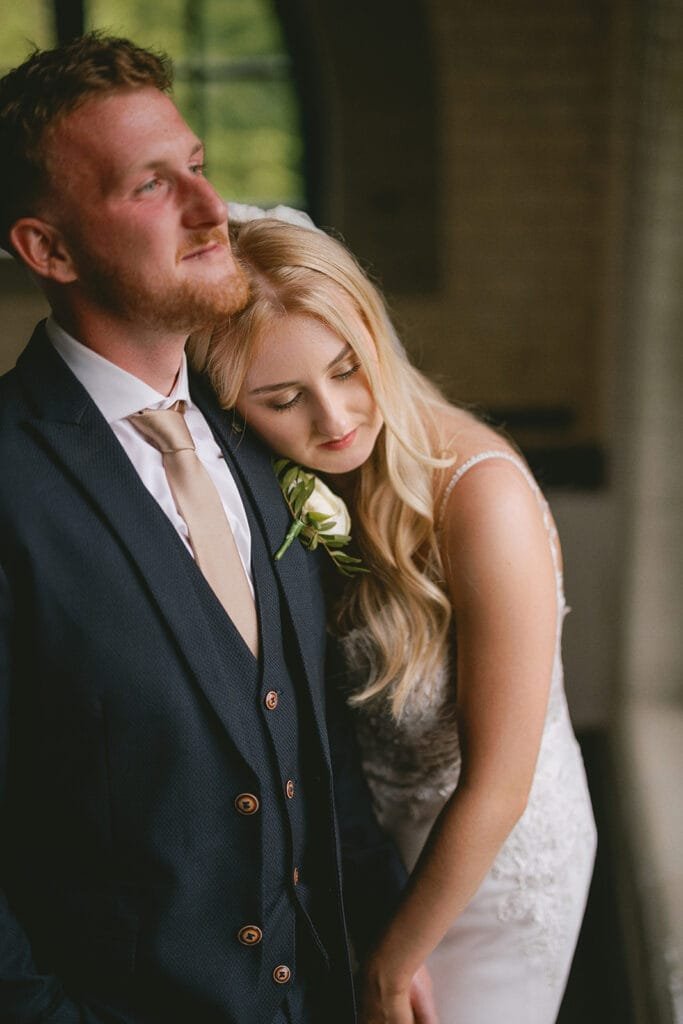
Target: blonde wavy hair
x,y
401,603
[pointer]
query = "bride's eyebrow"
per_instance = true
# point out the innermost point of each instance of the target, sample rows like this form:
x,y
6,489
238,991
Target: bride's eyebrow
x,y
267,388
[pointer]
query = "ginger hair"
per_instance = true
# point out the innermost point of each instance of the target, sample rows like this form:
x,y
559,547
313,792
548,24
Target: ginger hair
x,y
50,84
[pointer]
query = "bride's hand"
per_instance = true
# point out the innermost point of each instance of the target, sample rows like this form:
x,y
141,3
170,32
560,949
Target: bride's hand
x,y
422,998
385,1008
385,1003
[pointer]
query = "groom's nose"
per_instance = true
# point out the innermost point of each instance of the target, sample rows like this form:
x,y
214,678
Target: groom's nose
x,y
202,206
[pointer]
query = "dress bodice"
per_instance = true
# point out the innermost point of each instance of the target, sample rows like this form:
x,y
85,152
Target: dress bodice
x,y
413,766
415,761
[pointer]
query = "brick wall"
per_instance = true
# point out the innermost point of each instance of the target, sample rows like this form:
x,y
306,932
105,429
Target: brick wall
x,y
652,404
524,119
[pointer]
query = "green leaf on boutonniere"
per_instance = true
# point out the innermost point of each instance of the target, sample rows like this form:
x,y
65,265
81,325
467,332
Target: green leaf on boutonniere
x,y
320,517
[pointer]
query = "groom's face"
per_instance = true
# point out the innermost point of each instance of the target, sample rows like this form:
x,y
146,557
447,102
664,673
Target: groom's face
x,y
145,229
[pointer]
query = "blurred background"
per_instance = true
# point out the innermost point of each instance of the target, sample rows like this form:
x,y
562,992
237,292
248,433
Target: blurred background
x,y
512,175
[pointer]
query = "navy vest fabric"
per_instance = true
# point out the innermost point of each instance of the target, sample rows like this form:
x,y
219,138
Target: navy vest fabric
x,y
293,812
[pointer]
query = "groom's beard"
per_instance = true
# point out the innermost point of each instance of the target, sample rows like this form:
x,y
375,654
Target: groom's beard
x,y
162,301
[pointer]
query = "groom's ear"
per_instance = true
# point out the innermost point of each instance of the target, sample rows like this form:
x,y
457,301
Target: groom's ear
x,y
42,248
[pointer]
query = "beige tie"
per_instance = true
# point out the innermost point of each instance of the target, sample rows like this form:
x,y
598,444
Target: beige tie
x,y
198,502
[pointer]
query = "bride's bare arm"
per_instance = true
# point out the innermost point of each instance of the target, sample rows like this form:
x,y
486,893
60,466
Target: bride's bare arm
x,y
501,579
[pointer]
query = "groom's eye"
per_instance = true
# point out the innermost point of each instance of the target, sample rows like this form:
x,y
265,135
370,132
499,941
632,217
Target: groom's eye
x,y
148,186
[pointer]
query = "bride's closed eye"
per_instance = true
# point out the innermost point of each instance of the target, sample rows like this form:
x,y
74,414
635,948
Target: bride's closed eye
x,y
348,372
291,403
283,406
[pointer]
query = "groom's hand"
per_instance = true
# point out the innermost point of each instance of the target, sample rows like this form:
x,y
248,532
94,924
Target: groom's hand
x,y
422,998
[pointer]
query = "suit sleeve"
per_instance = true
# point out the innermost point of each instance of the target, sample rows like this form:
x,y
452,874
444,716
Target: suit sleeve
x,y
373,873
26,995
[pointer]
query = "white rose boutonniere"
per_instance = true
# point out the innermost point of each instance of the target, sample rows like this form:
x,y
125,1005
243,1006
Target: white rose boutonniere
x,y
319,516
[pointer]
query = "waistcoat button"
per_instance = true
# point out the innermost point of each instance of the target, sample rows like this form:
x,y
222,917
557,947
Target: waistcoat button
x,y
250,935
271,699
295,876
246,803
282,974
289,789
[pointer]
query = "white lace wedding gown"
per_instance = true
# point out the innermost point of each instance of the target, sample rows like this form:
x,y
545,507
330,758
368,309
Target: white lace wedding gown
x,y
506,958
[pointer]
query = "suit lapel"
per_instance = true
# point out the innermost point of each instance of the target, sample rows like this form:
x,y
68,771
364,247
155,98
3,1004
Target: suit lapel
x,y
71,426
253,464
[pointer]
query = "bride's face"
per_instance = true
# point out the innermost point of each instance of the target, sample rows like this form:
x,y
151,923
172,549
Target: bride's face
x,y
308,397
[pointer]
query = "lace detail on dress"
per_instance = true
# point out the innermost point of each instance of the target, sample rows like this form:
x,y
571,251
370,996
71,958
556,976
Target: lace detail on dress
x,y
550,849
413,764
413,767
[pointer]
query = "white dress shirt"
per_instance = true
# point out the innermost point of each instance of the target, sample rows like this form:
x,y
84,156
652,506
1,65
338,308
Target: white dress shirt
x,y
118,394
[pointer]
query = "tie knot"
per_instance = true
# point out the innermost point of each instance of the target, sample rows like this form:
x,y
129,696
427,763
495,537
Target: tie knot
x,y
166,429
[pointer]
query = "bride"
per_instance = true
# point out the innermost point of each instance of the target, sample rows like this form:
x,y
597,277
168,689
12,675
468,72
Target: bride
x,y
451,639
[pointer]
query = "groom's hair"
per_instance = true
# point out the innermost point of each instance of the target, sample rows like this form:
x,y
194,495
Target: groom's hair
x,y
49,85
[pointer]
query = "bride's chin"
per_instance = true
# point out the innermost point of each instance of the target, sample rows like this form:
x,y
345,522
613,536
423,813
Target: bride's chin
x,y
340,466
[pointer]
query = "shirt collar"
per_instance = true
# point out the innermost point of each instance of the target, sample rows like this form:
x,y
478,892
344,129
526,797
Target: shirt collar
x,y
115,392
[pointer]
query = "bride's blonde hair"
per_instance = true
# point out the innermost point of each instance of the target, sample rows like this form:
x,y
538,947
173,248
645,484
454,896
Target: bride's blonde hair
x,y
400,603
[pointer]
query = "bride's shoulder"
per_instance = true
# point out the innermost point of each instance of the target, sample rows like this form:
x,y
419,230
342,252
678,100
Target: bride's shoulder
x,y
487,504
462,438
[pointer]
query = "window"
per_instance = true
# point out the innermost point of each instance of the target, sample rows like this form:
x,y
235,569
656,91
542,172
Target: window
x,y
233,85
23,26
233,80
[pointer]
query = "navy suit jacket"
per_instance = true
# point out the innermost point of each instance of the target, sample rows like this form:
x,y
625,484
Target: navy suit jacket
x,y
127,731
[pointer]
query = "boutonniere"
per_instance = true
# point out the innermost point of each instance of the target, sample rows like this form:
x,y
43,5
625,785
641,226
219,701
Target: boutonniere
x,y
319,516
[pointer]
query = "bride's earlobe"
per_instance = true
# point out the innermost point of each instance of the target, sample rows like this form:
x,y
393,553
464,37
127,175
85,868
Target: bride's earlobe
x,y
41,247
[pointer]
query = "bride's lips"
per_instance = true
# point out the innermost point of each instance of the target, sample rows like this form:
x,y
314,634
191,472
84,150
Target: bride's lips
x,y
340,442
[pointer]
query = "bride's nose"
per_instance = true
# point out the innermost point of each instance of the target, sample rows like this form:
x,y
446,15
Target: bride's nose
x,y
331,420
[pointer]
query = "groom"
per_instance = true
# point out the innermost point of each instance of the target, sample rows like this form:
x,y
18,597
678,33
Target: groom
x,y
169,845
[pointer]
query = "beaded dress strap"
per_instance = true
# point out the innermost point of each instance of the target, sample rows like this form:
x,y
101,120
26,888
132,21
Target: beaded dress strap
x,y
528,476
